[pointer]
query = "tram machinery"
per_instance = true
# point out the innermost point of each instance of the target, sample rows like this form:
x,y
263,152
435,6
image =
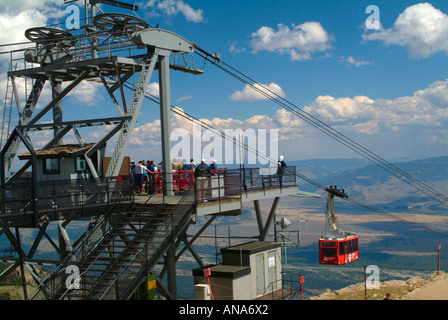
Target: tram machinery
x,y
111,49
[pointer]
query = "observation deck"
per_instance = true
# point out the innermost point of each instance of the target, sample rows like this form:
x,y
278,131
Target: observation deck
x,y
224,194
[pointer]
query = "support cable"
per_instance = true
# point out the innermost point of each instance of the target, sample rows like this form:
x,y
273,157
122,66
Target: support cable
x,y
333,133
191,118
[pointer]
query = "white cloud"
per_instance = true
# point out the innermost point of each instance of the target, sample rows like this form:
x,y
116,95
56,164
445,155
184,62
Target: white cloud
x,y
351,61
421,28
18,16
405,126
87,93
174,7
18,6
251,94
336,110
13,27
149,133
299,42
427,108
234,49
187,97
153,89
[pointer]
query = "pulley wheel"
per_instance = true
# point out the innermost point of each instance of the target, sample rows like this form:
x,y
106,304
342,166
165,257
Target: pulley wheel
x,y
44,35
115,22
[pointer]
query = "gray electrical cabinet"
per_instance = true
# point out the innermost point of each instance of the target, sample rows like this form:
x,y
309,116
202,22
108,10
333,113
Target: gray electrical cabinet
x,y
248,271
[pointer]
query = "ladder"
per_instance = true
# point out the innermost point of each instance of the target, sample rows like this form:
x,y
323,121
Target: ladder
x,y
7,110
128,125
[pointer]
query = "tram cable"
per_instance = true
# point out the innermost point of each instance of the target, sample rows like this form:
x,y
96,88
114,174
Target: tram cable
x,y
328,130
310,119
391,216
313,121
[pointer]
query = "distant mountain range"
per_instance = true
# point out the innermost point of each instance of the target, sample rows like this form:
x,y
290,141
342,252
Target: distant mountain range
x,y
373,184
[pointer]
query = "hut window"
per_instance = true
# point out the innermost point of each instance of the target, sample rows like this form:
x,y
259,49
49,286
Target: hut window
x,y
81,164
51,166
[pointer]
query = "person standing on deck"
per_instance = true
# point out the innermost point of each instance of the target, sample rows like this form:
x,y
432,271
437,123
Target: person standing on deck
x,y
281,169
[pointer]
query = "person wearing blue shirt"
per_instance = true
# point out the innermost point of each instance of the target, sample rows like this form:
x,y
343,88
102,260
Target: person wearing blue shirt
x,y
185,165
152,176
214,166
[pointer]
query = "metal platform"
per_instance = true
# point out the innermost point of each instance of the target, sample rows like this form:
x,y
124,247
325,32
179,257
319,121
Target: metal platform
x,y
279,294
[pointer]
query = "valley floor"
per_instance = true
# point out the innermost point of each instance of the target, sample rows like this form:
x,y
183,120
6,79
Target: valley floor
x,y
416,288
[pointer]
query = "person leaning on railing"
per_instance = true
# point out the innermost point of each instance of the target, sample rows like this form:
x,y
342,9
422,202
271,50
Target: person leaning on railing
x,y
202,173
152,176
138,176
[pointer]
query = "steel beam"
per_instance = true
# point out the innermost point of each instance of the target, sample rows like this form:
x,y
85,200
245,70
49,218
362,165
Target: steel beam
x,y
170,263
57,111
59,97
269,219
165,122
9,152
111,95
258,216
77,123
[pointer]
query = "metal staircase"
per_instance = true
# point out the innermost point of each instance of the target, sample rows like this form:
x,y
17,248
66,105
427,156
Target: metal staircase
x,y
115,266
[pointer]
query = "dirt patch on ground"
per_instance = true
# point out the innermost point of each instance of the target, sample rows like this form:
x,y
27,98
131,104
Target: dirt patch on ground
x,y
416,288
436,288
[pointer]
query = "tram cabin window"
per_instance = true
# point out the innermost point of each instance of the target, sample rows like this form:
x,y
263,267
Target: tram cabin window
x,y
329,252
341,248
329,244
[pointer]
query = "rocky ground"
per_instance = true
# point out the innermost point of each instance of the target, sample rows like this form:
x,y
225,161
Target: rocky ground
x,y
416,288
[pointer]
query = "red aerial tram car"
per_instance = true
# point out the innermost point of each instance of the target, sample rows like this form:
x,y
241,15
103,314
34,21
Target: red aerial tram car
x,y
336,246
338,250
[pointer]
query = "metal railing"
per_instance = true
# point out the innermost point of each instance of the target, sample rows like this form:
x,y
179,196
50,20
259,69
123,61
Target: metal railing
x,y
268,177
90,196
282,288
227,183
82,196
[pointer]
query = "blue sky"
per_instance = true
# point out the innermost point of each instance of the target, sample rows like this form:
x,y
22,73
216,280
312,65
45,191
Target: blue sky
x,y
387,89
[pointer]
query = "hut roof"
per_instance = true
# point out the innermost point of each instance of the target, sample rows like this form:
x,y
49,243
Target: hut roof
x,y
59,151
